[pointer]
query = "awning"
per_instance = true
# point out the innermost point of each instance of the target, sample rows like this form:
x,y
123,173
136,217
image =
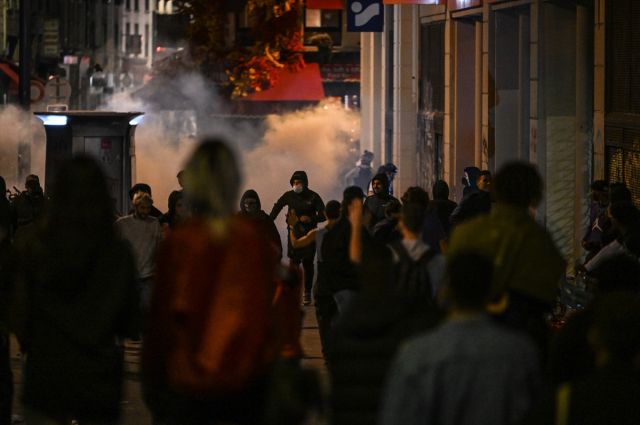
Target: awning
x,y
442,2
302,86
325,4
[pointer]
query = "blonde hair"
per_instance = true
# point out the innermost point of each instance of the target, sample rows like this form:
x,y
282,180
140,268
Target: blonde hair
x,y
142,197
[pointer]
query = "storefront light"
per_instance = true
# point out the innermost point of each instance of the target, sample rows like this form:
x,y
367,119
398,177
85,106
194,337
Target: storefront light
x,y
53,119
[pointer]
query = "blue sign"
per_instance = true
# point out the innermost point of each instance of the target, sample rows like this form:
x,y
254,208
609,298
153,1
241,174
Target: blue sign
x,y
365,16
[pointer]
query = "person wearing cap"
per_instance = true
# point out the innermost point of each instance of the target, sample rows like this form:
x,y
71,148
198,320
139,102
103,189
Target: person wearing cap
x,y
29,206
362,174
598,220
309,208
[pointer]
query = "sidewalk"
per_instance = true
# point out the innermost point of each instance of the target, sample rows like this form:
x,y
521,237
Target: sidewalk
x,y
134,411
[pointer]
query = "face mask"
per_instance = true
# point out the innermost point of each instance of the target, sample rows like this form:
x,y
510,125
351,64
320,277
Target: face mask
x,y
297,189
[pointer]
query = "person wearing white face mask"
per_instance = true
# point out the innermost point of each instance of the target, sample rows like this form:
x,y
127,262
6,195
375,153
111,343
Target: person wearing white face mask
x,y
309,209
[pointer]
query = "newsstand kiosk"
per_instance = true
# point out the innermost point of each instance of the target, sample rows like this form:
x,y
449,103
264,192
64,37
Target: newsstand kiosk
x,y
109,137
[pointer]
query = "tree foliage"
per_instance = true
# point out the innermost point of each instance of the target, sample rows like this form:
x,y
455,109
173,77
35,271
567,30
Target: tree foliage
x,y
276,28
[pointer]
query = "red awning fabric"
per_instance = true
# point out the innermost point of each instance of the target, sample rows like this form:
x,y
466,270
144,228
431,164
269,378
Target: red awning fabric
x,y
441,2
325,4
302,86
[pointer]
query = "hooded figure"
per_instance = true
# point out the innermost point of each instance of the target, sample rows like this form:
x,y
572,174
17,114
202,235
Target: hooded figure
x,y
377,202
441,205
309,209
362,174
251,207
470,180
143,187
171,217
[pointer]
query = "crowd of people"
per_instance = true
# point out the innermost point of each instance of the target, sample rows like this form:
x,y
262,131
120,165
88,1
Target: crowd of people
x,y
429,312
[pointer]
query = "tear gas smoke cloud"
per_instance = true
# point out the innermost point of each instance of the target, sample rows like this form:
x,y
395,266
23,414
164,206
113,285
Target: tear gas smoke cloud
x,y
314,140
18,125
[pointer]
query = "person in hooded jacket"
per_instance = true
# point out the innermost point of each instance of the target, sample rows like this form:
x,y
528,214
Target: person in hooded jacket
x,y
471,176
377,202
309,209
441,205
143,187
476,203
251,207
177,211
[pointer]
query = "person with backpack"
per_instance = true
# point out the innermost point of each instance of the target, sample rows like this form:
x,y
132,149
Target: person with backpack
x,y
395,301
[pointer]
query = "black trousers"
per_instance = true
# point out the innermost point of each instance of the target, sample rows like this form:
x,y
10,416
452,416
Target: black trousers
x,y
307,266
326,310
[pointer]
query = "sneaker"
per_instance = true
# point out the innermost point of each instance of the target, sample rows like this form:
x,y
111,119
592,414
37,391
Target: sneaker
x,y
306,300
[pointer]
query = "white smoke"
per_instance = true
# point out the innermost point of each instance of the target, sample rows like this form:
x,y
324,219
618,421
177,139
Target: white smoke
x,y
19,126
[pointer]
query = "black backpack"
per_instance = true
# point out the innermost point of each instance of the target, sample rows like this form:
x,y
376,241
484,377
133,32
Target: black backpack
x,y
411,277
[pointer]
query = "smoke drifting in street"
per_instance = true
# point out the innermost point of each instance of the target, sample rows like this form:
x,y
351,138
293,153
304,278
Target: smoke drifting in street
x,y
18,125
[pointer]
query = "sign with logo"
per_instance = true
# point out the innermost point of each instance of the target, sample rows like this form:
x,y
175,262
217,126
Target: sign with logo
x,y
365,16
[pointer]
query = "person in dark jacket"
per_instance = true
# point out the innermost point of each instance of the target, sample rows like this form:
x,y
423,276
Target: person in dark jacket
x,y
441,205
177,211
6,377
309,209
476,203
29,206
143,187
386,232
377,202
469,181
250,206
74,294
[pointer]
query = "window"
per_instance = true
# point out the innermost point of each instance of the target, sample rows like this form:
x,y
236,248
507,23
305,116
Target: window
x,y
136,5
146,5
128,5
323,21
244,22
127,28
136,29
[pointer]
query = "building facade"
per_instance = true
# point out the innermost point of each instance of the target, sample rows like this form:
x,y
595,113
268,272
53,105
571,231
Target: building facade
x,y
483,82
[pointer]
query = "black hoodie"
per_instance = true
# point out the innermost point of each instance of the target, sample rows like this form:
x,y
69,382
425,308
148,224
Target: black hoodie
x,y
306,203
263,218
377,202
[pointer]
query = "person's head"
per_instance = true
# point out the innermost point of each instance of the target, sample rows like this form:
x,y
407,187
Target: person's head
x,y
250,202
619,192
470,277
440,190
518,184
32,184
176,204
332,210
380,184
599,191
3,186
139,187
624,214
412,218
620,273
212,180
484,181
366,158
416,195
142,203
180,177
390,170
392,210
350,194
299,181
81,199
615,334
470,176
